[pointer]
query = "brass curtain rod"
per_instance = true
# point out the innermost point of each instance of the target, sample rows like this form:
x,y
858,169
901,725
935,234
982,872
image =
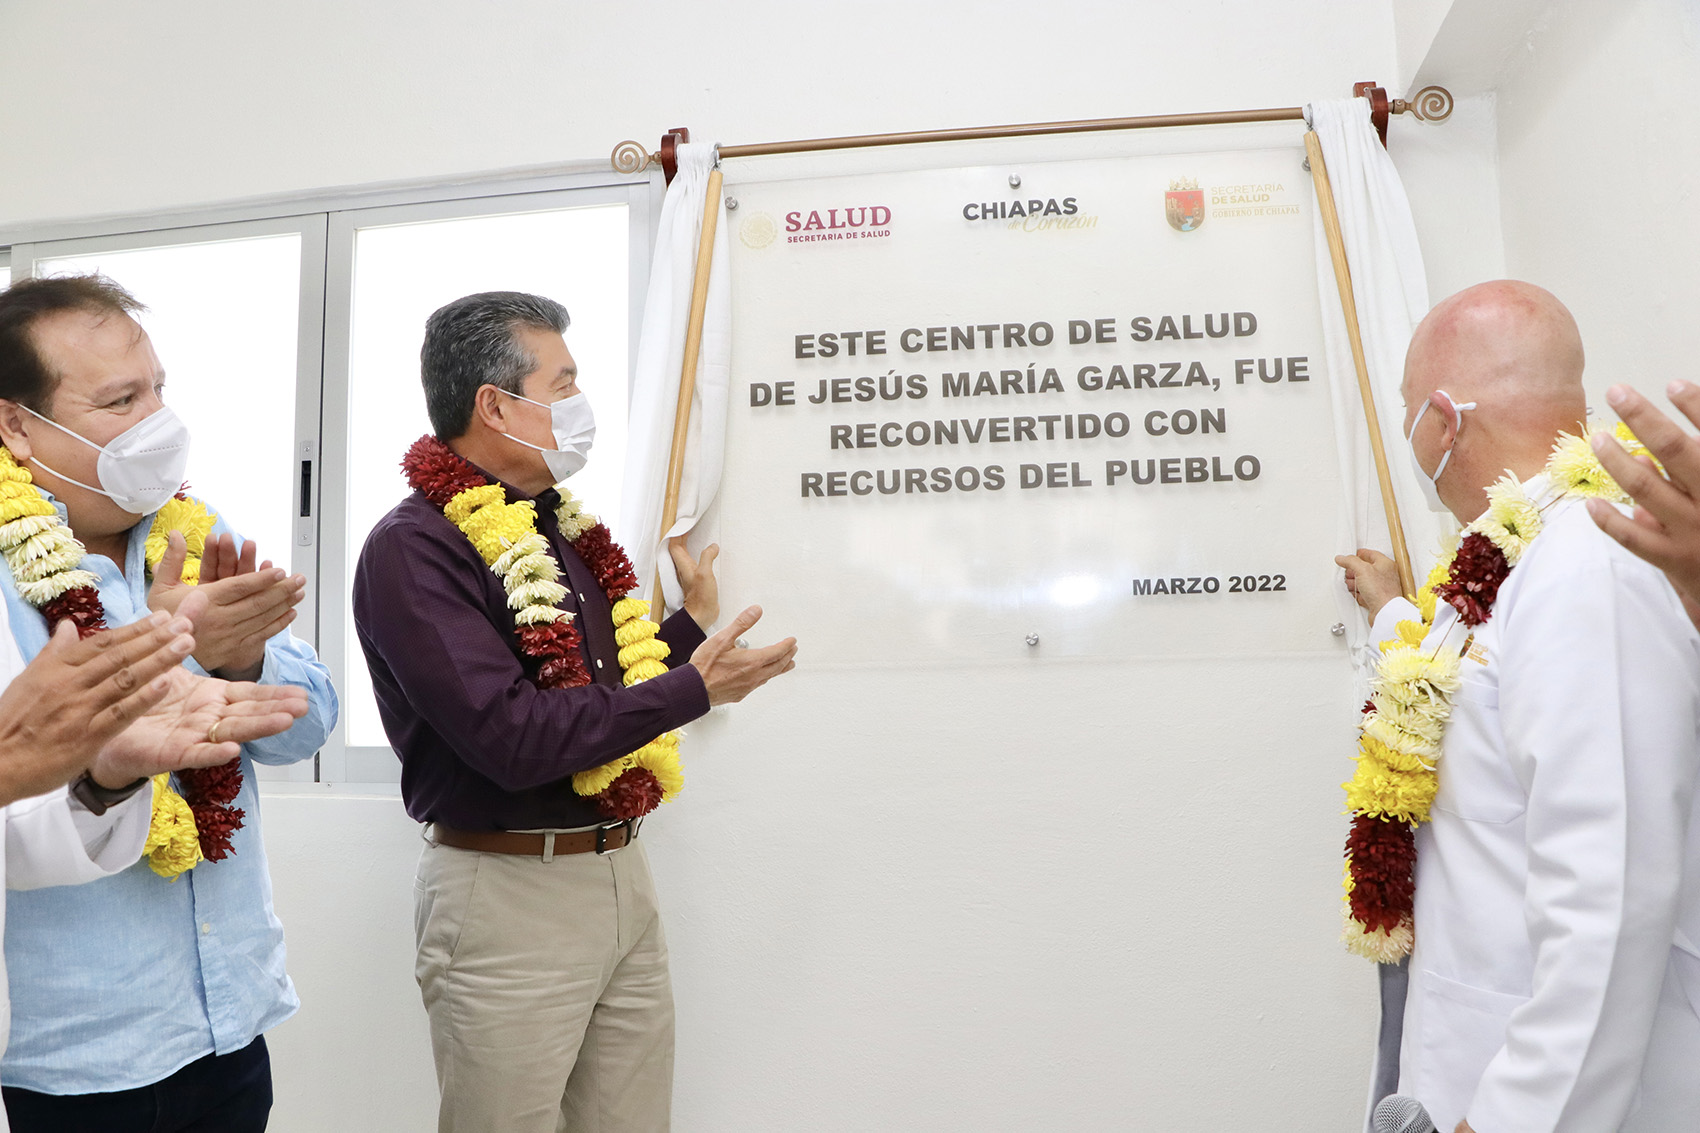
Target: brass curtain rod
x,y
1432,104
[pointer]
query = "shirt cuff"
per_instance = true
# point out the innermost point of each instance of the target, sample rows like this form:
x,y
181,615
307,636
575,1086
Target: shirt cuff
x,y
686,694
682,635
115,839
1387,619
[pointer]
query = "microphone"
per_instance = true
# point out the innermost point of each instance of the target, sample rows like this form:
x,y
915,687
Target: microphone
x,y
1398,1113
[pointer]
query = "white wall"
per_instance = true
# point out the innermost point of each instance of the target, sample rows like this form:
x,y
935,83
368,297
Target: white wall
x,y
110,107
1600,166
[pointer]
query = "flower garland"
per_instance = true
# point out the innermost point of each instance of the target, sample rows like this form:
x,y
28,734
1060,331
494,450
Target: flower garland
x,y
46,564
507,539
1399,745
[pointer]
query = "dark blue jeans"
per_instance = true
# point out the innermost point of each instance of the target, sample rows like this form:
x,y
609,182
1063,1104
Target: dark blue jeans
x,y
229,1093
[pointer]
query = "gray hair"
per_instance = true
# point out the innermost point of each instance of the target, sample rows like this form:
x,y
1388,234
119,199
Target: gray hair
x,y
471,343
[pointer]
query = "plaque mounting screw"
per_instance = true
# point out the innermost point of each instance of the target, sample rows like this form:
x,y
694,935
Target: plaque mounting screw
x,y
731,204
1015,180
1032,639
1338,629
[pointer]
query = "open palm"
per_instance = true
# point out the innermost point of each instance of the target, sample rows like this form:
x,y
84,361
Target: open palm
x,y
177,732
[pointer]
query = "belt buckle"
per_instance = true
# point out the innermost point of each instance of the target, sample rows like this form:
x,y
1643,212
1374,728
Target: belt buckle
x,y
632,826
602,848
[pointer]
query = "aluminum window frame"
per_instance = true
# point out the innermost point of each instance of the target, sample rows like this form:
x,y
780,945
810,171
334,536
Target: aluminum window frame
x,y
327,223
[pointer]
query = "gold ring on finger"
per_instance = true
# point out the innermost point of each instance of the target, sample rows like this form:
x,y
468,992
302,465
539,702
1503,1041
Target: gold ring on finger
x,y
212,732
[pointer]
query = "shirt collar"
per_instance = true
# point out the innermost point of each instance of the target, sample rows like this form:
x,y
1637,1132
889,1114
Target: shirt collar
x,y
547,500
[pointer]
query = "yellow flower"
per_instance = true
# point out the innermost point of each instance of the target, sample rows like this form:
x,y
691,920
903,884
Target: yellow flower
x,y
661,759
1392,757
495,528
1411,633
1379,791
634,631
644,671
191,517
469,500
173,845
628,608
17,507
1577,471
649,649
598,779
1511,521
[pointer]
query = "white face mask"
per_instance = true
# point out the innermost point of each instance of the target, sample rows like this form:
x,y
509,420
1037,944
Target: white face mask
x,y
574,426
141,467
1431,484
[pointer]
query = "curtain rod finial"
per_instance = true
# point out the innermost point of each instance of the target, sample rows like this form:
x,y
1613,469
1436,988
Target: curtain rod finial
x,y
630,157
1431,104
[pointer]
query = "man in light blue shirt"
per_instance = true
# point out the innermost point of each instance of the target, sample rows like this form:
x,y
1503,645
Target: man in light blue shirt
x,y
138,1003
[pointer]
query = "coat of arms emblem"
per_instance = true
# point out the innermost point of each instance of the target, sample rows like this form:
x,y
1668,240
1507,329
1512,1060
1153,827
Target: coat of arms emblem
x,y
1184,204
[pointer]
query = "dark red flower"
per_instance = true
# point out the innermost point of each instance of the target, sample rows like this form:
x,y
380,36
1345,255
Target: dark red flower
x,y
1383,857
634,794
436,470
82,606
556,639
1473,584
613,570
214,825
212,784
563,672
209,791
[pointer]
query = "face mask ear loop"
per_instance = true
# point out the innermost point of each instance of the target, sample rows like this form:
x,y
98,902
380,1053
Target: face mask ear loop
x,y
78,483
37,461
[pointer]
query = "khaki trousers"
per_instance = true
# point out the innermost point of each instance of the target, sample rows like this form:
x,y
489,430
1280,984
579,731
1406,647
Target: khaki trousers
x,y
546,985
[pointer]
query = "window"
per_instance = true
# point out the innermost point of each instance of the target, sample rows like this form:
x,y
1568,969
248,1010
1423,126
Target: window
x,y
406,264
290,338
225,319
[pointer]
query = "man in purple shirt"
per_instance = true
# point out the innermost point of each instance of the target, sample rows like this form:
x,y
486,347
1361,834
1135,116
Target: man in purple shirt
x,y
541,960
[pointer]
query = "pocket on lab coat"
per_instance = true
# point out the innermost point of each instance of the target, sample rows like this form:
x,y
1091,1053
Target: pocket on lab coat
x,y
1463,1027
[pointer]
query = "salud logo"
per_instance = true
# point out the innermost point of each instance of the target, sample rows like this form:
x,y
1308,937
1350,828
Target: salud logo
x,y
1184,204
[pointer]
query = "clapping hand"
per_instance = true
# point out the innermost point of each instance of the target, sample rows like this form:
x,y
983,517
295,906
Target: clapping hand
x,y
247,604
200,722
77,695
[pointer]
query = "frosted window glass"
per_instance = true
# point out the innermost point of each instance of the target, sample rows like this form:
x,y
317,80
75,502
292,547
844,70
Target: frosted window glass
x,y
402,273
223,319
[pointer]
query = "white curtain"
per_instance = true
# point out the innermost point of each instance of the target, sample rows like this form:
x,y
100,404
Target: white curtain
x,y
655,384
1391,292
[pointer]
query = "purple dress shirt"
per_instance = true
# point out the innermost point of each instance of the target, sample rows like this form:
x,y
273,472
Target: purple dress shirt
x,y
481,746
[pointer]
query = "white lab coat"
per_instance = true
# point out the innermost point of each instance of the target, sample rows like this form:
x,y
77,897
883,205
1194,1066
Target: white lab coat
x,y
53,840
1555,983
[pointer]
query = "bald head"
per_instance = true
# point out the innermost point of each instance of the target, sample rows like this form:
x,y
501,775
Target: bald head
x,y
1504,342
1511,348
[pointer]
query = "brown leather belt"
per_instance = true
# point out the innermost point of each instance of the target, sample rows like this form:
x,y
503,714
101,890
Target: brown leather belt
x,y
604,839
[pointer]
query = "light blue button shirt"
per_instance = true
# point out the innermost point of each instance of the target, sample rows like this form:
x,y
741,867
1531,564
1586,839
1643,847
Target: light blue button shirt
x,y
121,982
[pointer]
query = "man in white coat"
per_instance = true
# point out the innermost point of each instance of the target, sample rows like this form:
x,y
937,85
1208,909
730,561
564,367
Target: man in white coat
x,y
1555,981
105,714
